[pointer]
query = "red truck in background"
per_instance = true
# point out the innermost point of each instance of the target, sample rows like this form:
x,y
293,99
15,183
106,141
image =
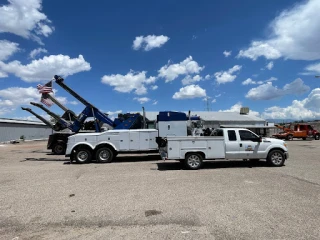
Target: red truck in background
x,y
301,130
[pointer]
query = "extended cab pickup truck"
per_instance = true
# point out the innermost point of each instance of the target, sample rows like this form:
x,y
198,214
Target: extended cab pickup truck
x,y
228,143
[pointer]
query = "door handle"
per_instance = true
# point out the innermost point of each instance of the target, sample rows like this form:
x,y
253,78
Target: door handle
x,y
240,144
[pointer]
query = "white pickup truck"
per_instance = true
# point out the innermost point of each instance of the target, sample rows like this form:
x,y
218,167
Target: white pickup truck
x,y
228,143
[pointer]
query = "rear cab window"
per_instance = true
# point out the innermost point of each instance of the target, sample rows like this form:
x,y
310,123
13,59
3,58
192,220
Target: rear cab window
x,y
232,135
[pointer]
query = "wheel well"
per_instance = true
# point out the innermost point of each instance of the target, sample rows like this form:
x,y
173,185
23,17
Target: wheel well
x,y
82,146
280,149
200,153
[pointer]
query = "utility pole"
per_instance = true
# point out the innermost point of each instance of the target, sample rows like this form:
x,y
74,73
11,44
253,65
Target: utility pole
x,y
208,104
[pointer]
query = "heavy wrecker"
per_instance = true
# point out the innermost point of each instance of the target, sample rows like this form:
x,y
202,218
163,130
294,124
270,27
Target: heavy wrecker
x,y
69,120
301,130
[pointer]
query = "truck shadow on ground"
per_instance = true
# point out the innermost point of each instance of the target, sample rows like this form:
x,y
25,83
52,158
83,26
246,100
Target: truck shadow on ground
x,y
169,166
46,159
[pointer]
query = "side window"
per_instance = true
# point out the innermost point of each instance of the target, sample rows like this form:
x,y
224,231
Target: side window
x,y
246,135
232,135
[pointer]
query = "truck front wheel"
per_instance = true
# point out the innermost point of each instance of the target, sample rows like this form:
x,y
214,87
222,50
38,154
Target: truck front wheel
x,y
82,155
193,161
276,158
317,137
104,155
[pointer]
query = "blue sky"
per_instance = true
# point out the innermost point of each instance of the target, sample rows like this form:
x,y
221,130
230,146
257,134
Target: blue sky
x,y
167,55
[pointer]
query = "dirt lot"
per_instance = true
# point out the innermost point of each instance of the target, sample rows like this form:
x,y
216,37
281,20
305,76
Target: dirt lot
x,y
140,197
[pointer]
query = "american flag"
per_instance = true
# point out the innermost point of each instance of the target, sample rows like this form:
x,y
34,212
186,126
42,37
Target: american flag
x,y
47,88
46,100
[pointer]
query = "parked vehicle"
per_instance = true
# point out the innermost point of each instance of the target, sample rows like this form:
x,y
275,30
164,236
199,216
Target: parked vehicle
x,y
228,143
303,131
104,146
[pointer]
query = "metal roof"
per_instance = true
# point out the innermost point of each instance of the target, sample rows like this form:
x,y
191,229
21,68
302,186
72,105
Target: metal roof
x,y
214,116
245,126
17,121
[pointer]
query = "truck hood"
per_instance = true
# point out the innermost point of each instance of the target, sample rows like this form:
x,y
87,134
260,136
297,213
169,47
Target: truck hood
x,y
273,140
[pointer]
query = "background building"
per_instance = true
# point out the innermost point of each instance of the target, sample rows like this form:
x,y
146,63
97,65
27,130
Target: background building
x,y
12,129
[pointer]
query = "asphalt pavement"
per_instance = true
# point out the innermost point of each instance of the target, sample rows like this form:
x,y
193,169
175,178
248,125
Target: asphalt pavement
x,y
43,196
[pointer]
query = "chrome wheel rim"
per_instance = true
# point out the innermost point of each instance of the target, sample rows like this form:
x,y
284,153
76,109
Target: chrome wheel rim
x,y
194,161
82,156
104,155
276,158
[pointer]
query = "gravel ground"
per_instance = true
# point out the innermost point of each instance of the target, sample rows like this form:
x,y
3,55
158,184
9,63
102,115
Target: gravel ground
x,y
42,196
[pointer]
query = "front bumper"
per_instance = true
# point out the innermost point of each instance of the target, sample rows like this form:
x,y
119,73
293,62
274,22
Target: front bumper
x,y
286,155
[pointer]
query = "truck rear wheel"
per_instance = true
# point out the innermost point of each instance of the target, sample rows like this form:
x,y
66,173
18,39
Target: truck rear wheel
x,y
104,155
276,158
59,149
290,137
193,161
82,155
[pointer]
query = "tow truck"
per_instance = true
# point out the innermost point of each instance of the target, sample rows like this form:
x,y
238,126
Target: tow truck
x,y
57,141
301,130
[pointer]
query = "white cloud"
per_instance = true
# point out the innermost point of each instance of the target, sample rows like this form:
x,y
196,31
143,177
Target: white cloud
x,y
226,53
129,82
188,79
267,91
188,92
312,69
11,98
258,49
73,102
149,42
219,95
36,52
155,102
295,34
307,108
142,100
249,81
65,101
226,76
207,77
154,87
172,71
7,49
3,75
110,113
214,100
269,66
237,107
24,18
43,69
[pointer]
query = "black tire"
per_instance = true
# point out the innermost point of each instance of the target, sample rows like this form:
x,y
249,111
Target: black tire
x,y
59,149
317,137
104,155
276,158
290,137
304,138
82,155
193,161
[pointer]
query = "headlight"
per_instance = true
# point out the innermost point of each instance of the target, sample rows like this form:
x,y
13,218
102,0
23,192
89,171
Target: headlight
x,y
284,144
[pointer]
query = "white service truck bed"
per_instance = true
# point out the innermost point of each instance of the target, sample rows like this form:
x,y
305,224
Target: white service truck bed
x,y
212,147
